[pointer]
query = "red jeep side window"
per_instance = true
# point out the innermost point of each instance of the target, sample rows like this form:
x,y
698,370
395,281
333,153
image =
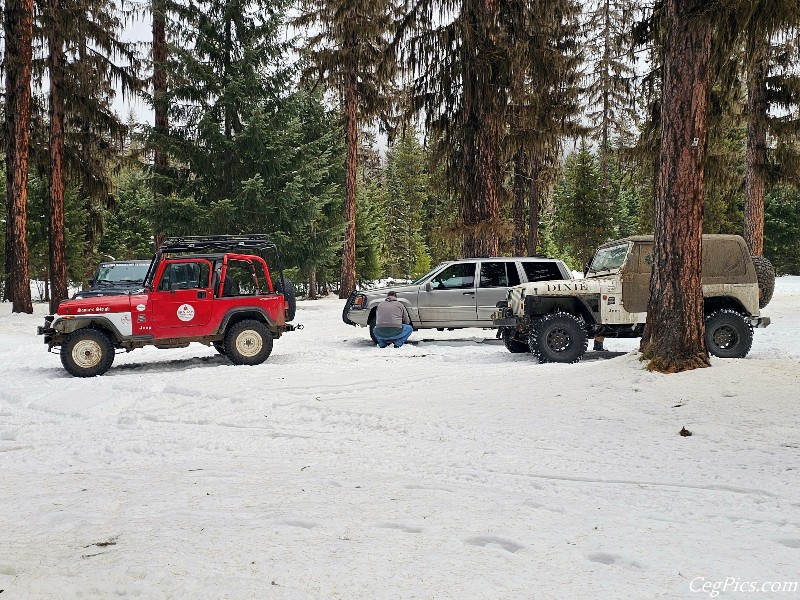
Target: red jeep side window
x,y
185,276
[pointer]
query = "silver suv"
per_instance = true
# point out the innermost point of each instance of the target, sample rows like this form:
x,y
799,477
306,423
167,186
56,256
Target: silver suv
x,y
456,294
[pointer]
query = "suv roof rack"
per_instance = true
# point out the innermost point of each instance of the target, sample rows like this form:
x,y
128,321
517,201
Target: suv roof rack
x,y
220,243
258,244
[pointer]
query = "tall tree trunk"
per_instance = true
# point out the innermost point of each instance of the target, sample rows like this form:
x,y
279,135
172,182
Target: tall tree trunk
x,y
674,334
58,263
160,103
348,278
521,187
227,162
535,201
755,179
18,39
312,284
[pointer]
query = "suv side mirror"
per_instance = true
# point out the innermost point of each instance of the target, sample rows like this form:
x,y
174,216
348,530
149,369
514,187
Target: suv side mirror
x,y
428,287
91,282
585,270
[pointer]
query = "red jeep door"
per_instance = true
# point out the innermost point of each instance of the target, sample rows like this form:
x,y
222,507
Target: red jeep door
x,y
181,299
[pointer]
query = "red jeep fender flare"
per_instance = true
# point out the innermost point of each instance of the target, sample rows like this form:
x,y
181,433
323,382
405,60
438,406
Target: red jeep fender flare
x,y
243,312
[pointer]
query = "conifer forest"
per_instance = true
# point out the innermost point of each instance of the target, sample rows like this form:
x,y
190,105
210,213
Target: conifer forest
x,y
373,139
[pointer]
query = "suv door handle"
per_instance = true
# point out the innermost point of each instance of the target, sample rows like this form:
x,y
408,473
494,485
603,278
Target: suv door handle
x,y
201,294
469,293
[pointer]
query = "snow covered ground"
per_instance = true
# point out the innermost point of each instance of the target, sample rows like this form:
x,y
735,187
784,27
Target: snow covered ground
x,y
445,469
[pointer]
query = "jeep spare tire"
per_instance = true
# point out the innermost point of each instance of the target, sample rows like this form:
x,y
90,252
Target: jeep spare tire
x,y
286,287
766,280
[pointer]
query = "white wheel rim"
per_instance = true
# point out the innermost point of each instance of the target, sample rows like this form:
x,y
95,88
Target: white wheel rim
x,y
87,354
249,343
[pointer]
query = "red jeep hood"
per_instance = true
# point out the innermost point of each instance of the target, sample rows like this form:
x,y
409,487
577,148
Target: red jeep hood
x,y
98,305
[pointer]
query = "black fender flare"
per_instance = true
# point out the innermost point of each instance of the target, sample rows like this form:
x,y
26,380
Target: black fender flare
x,y
244,312
67,326
537,306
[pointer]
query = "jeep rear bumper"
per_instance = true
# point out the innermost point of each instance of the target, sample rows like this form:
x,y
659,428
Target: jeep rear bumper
x,y
506,322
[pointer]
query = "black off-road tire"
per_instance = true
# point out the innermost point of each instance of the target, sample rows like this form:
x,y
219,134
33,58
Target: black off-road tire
x,y
559,337
766,280
87,353
248,343
728,334
514,344
286,287
371,325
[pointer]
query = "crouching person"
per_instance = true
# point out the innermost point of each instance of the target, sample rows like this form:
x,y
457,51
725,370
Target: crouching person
x,y
392,323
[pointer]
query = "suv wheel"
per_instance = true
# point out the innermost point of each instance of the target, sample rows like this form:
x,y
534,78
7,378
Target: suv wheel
x,y
559,337
513,343
728,334
87,353
248,343
372,332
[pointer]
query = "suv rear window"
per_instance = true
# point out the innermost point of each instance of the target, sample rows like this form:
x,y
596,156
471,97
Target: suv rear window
x,y
541,271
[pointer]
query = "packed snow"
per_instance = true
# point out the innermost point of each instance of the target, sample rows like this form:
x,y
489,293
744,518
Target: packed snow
x,y
448,468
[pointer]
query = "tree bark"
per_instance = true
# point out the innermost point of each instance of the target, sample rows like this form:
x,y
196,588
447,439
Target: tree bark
x,y
348,276
481,172
160,103
755,178
521,187
18,58
535,202
312,284
58,263
673,339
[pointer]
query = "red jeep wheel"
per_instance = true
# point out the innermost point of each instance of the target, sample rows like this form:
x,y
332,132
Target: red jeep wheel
x,y
87,352
248,343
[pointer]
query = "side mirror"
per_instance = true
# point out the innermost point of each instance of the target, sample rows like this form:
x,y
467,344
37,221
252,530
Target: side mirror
x,y
91,282
428,287
585,270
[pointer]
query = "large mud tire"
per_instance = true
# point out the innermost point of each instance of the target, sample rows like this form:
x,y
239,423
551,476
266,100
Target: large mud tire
x,y
286,287
728,334
87,353
766,280
559,337
514,344
248,343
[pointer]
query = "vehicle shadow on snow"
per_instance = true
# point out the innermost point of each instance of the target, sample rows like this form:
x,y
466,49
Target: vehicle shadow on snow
x,y
178,364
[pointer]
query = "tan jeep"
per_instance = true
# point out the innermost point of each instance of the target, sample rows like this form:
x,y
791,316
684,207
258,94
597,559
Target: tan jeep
x,y
554,319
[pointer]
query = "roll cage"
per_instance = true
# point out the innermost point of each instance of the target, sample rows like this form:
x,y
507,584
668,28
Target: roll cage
x,y
256,244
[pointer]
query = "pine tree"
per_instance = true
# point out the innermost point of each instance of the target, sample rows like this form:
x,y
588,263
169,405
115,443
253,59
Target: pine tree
x,y
407,190
18,27
609,92
673,336
472,66
348,54
582,216
86,59
772,83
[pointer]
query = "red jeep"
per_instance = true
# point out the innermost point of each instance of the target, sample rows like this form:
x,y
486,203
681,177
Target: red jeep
x,y
214,290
